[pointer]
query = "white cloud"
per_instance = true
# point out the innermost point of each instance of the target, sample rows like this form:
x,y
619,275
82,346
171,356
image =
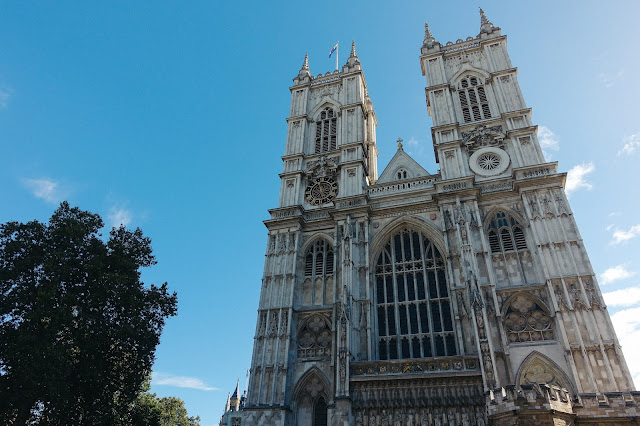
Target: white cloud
x,y
119,215
631,144
610,79
46,189
619,272
548,141
620,235
164,379
415,148
627,325
576,177
5,94
625,297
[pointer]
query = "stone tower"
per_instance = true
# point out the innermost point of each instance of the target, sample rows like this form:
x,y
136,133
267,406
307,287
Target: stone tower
x,y
462,297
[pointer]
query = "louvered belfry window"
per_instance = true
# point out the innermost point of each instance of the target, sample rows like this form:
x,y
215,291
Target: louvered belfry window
x,y
473,99
326,131
412,299
505,234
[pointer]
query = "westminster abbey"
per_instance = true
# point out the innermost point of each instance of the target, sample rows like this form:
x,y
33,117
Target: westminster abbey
x,y
462,296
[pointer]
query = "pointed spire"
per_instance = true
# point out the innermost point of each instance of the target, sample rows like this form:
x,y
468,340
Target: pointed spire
x,y
228,405
429,40
304,71
353,57
485,24
237,391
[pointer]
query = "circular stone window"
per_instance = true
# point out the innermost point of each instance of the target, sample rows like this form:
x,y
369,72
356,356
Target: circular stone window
x,y
489,161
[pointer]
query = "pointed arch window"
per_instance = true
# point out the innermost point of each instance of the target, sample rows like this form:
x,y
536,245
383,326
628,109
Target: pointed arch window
x,y
312,401
320,412
473,99
326,131
401,174
505,234
317,287
412,299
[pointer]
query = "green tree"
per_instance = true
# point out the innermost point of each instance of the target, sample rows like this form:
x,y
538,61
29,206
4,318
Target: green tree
x,y
78,329
149,410
174,413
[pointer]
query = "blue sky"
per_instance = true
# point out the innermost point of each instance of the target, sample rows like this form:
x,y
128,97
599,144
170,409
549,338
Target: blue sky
x,y
170,116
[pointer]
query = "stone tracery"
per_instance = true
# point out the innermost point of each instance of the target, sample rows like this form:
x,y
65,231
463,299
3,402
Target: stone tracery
x,y
527,321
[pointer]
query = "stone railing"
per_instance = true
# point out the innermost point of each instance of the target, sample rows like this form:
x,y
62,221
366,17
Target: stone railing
x,y
399,187
530,404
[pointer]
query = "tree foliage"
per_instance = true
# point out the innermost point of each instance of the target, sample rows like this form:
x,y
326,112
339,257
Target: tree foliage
x,y
149,410
78,329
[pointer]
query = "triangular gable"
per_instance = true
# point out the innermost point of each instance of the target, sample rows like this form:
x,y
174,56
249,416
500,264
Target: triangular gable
x,y
401,160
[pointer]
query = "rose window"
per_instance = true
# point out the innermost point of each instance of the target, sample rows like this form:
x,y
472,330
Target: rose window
x,y
489,161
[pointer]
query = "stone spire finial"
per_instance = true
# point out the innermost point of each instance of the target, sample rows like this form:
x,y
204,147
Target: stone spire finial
x,y
429,40
353,57
304,71
399,144
485,24
227,407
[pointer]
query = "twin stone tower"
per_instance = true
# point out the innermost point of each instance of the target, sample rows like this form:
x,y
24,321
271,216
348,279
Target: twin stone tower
x,y
462,297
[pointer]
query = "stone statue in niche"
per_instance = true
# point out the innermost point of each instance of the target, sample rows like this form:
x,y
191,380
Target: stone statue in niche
x,y
451,417
465,418
463,232
437,417
410,420
385,418
424,419
448,225
397,418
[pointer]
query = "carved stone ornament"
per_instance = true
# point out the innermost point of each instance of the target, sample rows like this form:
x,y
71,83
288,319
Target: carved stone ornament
x,y
314,337
483,136
526,321
325,166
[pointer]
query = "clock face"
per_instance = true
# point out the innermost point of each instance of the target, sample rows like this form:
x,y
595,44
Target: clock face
x,y
321,191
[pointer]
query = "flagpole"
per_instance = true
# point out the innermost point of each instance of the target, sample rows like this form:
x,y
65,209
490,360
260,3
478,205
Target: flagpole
x,y
337,54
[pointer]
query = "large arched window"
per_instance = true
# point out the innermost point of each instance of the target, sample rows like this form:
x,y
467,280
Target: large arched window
x,y
412,299
505,234
326,131
473,99
317,287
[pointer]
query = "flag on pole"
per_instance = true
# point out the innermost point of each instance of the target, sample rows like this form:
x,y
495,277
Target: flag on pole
x,y
333,50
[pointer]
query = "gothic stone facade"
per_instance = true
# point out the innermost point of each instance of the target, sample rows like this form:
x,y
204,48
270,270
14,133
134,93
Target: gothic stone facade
x,y
464,297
